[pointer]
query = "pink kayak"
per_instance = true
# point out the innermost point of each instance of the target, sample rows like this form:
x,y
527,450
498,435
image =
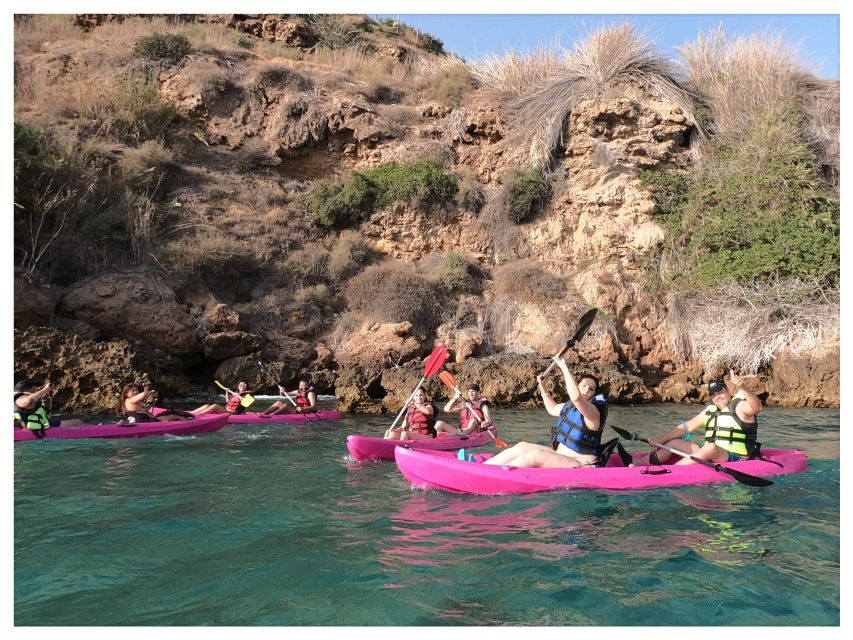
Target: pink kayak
x,y
322,415
364,448
440,470
201,424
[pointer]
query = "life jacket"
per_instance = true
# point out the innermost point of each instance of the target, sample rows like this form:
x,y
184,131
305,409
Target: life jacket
x,y
725,429
33,419
421,422
571,430
476,410
302,397
233,405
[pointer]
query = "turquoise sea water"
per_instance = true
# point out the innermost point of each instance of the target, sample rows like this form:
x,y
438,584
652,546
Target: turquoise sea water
x,y
277,525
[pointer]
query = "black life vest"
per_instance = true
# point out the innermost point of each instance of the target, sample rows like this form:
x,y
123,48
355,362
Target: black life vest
x,y
571,430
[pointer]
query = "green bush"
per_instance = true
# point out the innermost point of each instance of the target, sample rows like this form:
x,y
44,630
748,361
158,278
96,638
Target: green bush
x,y
525,195
162,46
134,111
755,211
351,200
396,293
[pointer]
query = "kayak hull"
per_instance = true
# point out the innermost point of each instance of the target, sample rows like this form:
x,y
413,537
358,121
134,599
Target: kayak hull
x,y
201,424
364,448
439,470
323,415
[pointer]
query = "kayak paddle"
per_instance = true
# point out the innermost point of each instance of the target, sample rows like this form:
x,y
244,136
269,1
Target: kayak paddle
x,y
584,324
433,364
246,400
447,378
740,476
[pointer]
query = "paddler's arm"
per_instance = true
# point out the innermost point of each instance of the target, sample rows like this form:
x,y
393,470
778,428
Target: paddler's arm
x,y
684,427
590,412
31,400
551,407
451,404
752,405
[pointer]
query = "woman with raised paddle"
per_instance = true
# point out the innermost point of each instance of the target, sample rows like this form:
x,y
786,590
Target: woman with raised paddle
x,y
234,401
420,420
730,422
578,433
474,412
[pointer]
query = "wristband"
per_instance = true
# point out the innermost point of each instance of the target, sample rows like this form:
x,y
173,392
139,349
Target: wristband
x,y
687,435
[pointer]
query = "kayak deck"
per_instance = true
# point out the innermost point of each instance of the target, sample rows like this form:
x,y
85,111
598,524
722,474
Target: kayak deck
x,y
439,470
364,448
201,424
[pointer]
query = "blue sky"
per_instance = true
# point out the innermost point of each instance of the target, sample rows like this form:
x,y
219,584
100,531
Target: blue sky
x,y
476,35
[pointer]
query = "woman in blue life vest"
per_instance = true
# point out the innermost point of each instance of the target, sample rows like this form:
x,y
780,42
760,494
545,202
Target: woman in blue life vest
x,y
730,424
474,412
420,420
232,402
305,397
579,425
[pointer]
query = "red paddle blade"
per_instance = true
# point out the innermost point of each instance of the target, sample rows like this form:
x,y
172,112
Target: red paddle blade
x,y
447,378
435,360
500,444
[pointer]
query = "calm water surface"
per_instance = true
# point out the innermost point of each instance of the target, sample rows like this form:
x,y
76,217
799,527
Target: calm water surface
x,y
277,525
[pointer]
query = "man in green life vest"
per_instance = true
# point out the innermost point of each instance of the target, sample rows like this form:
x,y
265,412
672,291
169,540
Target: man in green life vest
x,y
30,410
730,423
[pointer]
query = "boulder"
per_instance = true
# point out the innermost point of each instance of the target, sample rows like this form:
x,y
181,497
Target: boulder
x,y
218,346
136,306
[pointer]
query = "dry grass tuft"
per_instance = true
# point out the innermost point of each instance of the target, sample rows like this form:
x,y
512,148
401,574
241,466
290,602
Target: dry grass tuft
x,y
760,320
517,72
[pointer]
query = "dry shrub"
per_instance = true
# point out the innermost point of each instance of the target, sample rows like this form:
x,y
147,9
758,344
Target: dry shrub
x,y
331,30
378,91
266,49
396,293
317,306
517,72
210,255
307,266
32,30
349,254
147,164
358,62
499,318
450,86
600,64
761,320
454,271
528,281
281,76
256,153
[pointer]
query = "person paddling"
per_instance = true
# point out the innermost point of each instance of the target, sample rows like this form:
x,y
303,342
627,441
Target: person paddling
x,y
474,412
730,422
232,402
420,420
576,439
134,405
30,410
305,398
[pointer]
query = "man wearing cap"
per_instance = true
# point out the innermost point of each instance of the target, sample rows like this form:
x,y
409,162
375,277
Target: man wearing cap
x,y
474,412
731,426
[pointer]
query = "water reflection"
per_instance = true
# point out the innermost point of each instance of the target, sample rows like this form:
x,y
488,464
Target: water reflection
x,y
431,530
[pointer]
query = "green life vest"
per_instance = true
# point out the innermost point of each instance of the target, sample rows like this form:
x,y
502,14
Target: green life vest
x,y
724,428
32,419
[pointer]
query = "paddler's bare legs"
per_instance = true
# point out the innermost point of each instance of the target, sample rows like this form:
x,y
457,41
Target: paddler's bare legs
x,y
527,454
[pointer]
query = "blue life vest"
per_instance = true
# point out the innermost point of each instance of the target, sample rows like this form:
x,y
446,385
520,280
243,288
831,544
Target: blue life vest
x,y
571,430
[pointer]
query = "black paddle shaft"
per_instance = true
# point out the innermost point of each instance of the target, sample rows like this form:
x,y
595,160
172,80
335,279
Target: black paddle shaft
x,y
740,476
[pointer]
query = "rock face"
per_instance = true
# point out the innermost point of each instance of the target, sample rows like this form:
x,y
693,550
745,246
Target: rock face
x,y
34,304
87,375
138,307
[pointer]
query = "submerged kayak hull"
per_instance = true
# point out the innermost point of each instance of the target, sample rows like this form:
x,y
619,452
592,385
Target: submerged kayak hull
x,y
201,424
438,470
323,415
364,448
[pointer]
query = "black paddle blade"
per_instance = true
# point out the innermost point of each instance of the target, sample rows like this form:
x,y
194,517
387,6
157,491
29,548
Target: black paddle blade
x,y
625,434
745,478
583,326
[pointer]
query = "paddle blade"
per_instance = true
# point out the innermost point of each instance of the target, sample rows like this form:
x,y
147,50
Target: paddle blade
x,y
435,360
220,385
447,378
583,326
745,478
500,444
247,401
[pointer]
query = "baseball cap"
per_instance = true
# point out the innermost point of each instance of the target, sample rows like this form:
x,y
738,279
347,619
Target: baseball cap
x,y
715,386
